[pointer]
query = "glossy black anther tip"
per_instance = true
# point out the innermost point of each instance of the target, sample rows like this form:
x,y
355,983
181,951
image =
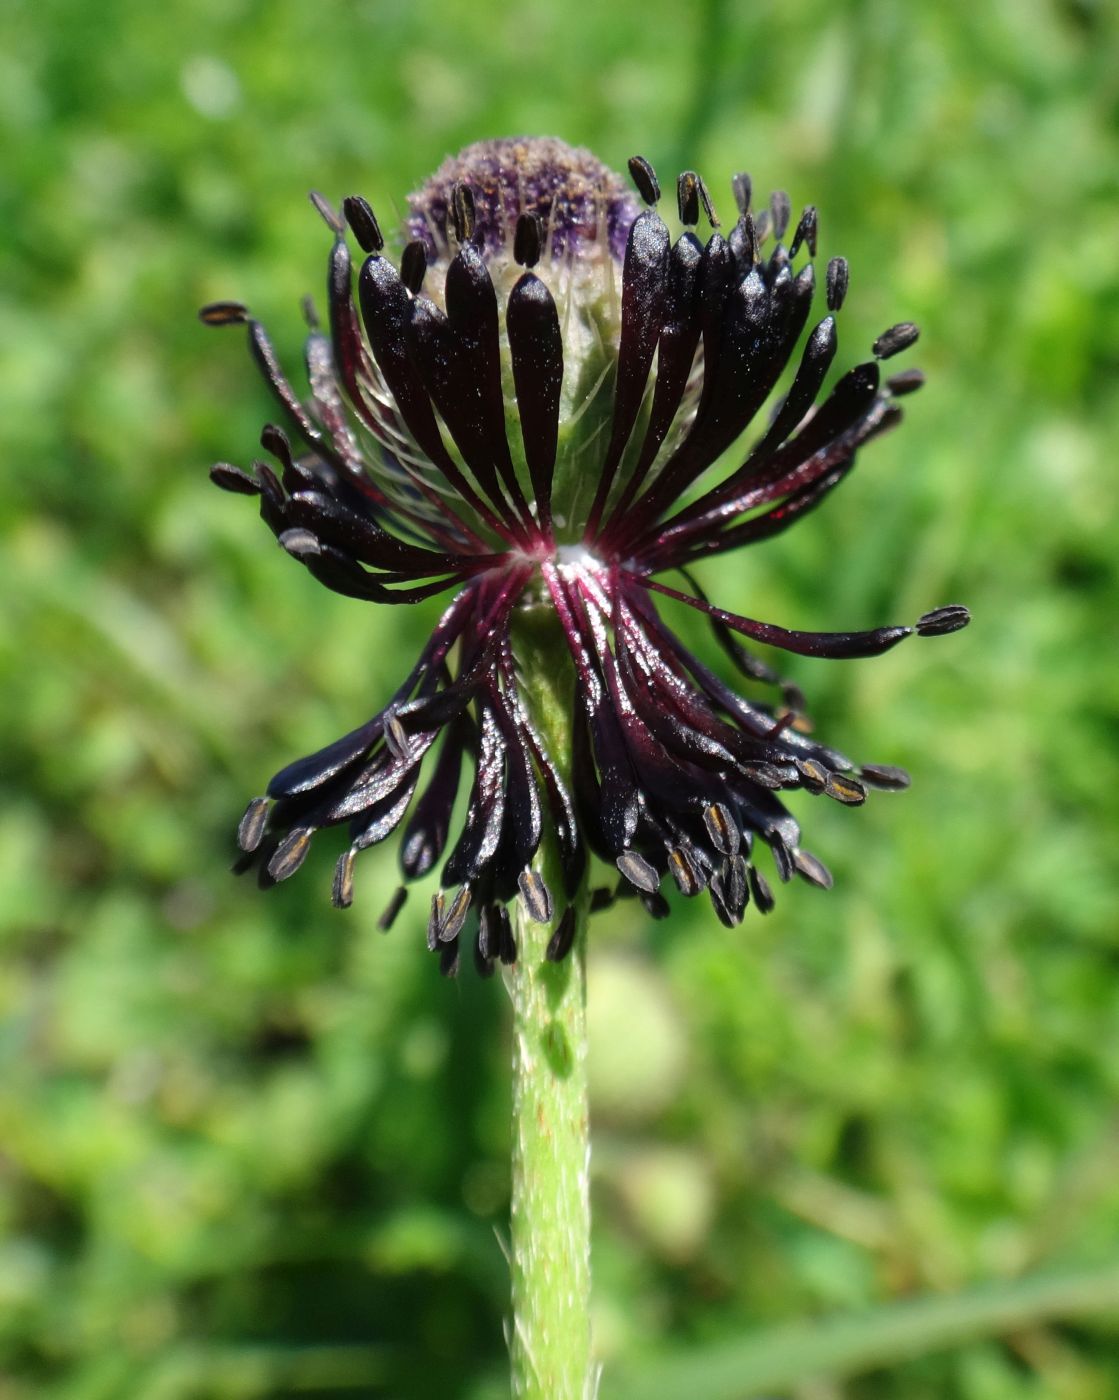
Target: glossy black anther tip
x,y
250,831
812,869
396,739
463,213
759,888
743,241
273,439
645,178
781,211
908,381
231,478
638,871
885,776
941,621
290,854
656,906
895,340
705,199
601,898
435,919
743,188
455,916
763,222
687,197
223,313
805,232
413,265
506,938
724,834
342,887
559,945
527,241
363,222
326,212
536,896
846,789
837,279
813,774
691,192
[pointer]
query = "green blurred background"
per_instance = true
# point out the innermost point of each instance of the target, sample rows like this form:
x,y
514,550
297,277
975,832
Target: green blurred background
x,y
250,1147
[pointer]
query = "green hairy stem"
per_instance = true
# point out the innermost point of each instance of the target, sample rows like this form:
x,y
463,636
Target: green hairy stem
x,y
550,1342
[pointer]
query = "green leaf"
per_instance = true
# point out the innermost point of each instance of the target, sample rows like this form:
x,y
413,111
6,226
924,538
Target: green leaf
x,y
784,1357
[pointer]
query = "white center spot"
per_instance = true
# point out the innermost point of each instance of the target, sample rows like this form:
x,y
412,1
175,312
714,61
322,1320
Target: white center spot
x,y
577,556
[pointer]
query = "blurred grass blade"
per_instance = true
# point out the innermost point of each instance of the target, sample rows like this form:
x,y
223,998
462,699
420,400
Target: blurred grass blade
x,y
771,1362
241,1372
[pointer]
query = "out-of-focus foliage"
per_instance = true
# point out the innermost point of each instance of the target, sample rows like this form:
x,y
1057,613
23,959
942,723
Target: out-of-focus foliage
x,y
250,1147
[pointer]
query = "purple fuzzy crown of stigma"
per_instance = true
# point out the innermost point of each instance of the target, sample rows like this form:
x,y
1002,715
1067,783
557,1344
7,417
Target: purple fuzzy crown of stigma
x,y
577,200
